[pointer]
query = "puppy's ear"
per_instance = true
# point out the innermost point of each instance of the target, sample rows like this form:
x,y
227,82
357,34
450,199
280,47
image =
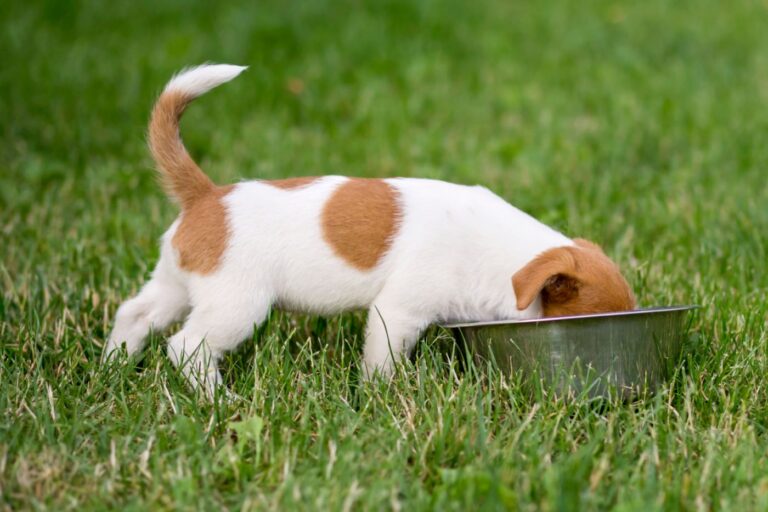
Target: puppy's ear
x,y
551,273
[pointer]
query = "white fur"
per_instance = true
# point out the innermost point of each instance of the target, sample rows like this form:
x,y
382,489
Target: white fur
x,y
199,80
452,259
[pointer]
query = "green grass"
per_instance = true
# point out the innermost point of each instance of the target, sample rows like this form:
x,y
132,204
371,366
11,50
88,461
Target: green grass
x,y
640,125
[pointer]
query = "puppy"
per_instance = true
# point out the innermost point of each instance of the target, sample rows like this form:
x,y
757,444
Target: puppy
x,y
411,251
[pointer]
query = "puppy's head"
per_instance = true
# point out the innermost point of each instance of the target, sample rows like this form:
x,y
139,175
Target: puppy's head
x,y
573,280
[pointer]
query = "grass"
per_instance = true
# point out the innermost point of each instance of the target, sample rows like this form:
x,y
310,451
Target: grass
x,y
639,125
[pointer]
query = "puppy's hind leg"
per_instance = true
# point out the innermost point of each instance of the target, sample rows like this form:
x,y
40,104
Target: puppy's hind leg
x,y
215,327
162,301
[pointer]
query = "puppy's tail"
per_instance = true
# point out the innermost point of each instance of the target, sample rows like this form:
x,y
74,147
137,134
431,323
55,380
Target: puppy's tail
x,y
181,176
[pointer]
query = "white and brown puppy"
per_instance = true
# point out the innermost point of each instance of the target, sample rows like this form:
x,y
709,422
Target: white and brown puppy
x,y
411,251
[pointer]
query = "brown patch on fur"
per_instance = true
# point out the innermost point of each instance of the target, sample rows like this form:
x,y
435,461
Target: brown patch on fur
x,y
292,183
574,280
180,174
203,233
360,220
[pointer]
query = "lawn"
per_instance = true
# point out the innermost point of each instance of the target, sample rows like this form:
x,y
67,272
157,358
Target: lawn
x,y
639,125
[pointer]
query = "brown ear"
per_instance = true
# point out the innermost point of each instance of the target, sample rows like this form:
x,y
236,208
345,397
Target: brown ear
x,y
551,273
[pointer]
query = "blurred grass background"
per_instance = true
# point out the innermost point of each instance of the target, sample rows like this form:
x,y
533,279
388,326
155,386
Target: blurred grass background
x,y
639,125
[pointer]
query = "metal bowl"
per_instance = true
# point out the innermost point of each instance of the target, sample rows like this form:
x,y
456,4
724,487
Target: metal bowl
x,y
600,355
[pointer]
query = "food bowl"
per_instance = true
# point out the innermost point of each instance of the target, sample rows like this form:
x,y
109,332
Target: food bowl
x,y
604,355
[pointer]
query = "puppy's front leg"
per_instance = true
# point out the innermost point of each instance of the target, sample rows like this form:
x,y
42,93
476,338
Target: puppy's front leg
x,y
391,333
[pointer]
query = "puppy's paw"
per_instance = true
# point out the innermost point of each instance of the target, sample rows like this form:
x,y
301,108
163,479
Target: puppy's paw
x,y
113,351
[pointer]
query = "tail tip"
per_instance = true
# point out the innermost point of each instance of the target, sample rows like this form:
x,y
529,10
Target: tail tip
x,y
198,80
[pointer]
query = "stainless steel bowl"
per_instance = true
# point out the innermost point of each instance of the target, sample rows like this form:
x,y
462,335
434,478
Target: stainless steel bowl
x,y
600,355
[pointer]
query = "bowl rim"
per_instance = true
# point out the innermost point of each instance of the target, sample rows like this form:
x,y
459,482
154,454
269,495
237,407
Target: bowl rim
x,y
551,319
